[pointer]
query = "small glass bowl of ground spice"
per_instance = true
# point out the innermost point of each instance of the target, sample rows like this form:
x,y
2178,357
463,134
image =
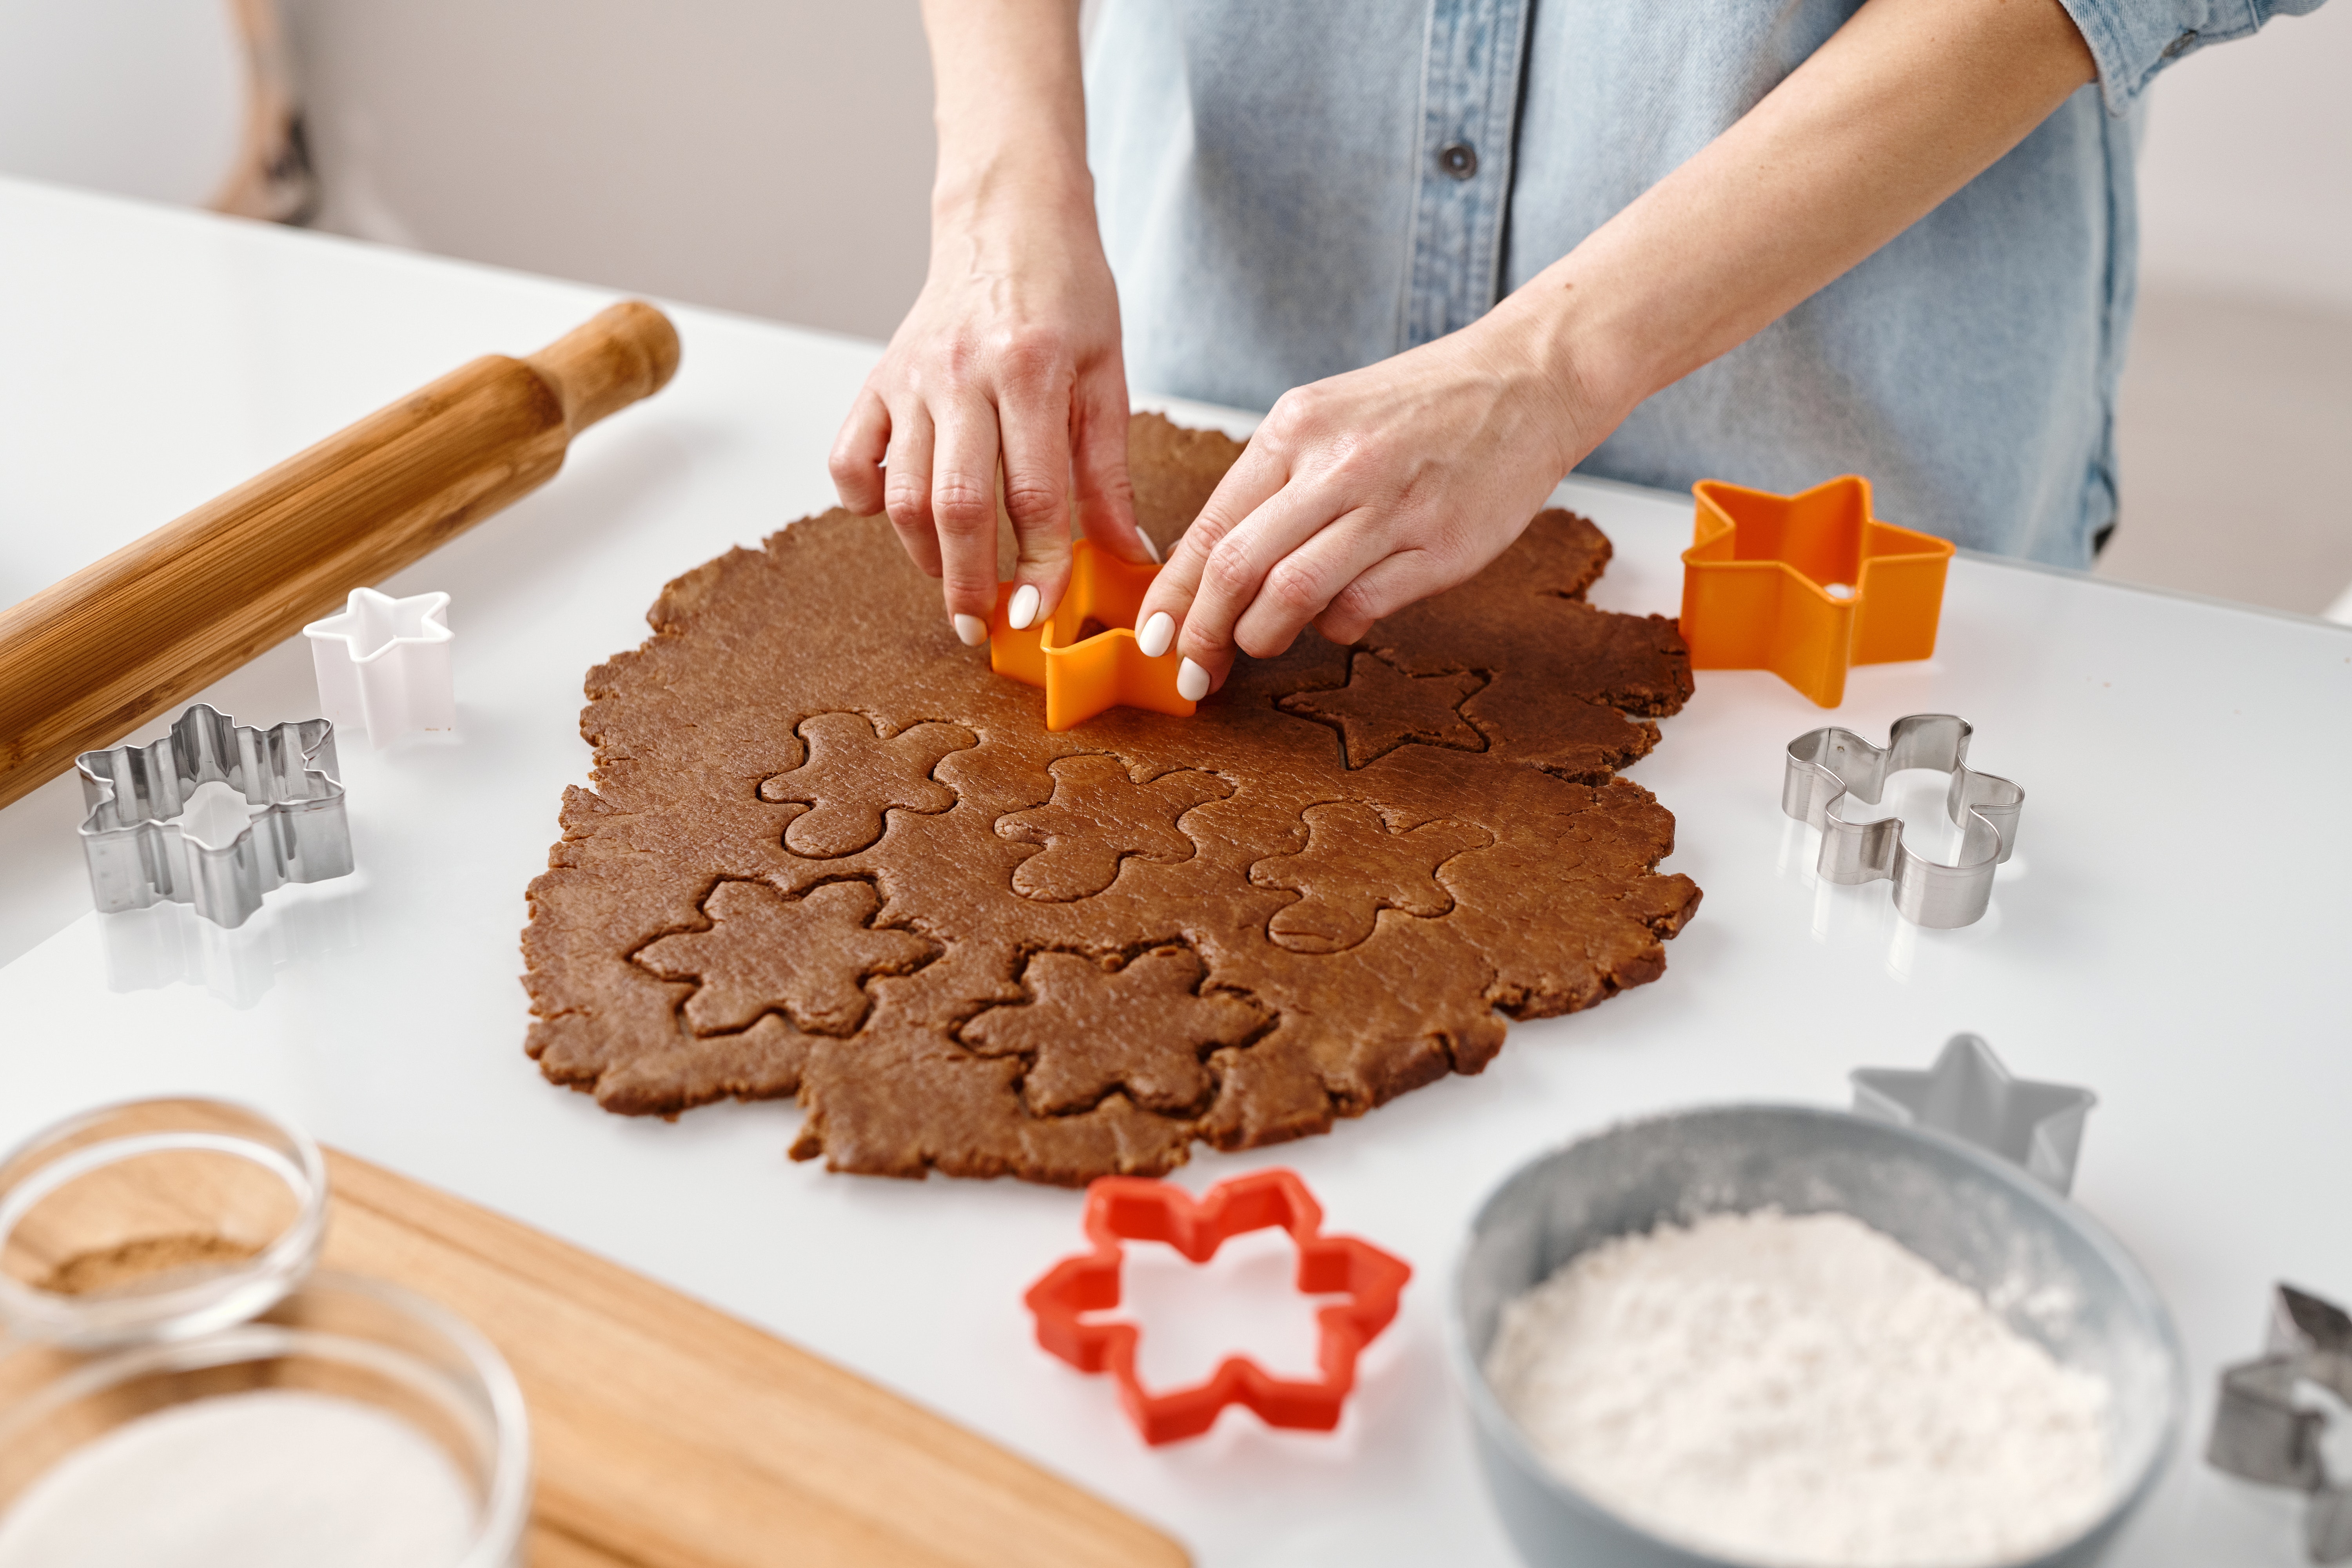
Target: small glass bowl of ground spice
x,y
182,1387
155,1219
1748,1336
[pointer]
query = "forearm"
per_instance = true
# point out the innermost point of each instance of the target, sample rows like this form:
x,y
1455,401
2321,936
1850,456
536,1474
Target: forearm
x,y
1004,382
1902,106
1010,106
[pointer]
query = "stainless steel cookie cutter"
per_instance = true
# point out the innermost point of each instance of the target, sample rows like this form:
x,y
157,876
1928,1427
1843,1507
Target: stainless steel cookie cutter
x,y
2262,1432
138,854
1825,765
1969,1094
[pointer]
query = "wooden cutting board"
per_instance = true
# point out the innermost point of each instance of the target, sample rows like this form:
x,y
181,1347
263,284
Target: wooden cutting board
x,y
671,1435
665,1434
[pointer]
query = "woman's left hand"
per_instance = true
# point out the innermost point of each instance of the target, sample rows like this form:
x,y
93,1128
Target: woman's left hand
x,y
1361,494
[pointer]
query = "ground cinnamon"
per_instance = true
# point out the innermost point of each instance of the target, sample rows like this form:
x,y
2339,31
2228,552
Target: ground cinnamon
x,y
130,1262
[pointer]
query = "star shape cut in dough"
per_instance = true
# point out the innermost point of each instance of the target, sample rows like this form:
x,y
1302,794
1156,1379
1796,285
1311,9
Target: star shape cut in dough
x,y
1384,706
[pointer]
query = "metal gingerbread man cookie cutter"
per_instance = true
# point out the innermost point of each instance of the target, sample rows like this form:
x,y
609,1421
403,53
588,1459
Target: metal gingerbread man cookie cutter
x,y
2263,1432
140,853
1826,765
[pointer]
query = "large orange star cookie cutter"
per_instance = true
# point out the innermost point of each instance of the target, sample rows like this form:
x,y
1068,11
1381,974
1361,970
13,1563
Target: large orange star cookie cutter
x,y
1083,675
1135,1208
1807,585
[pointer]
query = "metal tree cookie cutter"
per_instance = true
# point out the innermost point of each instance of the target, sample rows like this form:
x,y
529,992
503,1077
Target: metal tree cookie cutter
x,y
1825,765
142,843
1971,1095
1136,1208
383,664
1805,586
1083,675
2263,1433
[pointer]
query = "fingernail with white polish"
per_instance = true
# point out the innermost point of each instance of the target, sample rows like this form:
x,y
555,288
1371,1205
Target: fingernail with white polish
x,y
971,629
1157,558
1024,608
1156,634
1191,682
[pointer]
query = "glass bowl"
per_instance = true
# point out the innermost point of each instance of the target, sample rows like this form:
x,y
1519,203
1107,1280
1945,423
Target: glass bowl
x,y
155,1219
416,1382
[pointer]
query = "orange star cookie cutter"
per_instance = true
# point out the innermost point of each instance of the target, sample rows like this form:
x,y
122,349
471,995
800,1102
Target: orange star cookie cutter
x,y
1135,1208
1762,581
1083,675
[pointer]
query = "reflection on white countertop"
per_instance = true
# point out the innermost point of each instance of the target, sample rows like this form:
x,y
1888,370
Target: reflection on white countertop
x,y
2187,964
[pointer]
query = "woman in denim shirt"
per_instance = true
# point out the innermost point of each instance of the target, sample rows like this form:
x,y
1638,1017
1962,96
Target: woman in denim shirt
x,y
1462,247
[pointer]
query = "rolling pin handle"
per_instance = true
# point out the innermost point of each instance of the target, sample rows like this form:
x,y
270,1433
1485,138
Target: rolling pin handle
x,y
616,357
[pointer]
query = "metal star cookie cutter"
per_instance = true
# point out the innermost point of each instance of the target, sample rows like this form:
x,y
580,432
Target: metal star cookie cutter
x,y
138,854
1136,1208
1084,676
2263,1434
1969,1094
382,665
1825,765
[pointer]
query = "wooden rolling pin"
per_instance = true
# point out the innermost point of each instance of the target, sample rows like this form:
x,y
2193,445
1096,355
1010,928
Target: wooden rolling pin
x,y
87,661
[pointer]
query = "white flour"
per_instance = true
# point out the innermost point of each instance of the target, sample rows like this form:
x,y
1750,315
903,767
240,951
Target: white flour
x,y
1801,1389
270,1480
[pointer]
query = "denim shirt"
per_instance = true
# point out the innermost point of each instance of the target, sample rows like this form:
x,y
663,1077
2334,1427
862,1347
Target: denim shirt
x,y
1292,190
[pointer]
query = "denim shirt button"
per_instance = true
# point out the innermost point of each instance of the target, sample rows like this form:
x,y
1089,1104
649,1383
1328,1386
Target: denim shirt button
x,y
2181,45
1458,159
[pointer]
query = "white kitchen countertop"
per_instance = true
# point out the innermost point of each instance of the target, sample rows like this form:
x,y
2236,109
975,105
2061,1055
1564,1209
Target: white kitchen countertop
x,y
2176,931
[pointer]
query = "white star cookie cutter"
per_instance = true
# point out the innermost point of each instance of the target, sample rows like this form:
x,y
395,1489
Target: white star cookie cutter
x,y
383,664
1971,1095
176,819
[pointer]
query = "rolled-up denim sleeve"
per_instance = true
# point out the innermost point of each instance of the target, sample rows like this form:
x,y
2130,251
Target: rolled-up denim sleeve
x,y
2134,39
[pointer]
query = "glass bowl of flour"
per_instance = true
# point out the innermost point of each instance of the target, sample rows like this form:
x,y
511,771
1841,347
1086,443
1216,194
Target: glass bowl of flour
x,y
181,1387
1766,1335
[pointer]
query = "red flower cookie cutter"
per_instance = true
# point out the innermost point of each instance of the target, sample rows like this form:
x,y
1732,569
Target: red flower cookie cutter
x,y
1134,1208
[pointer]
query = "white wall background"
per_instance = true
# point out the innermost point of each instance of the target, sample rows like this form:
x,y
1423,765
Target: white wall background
x,y
772,156
144,97
2246,177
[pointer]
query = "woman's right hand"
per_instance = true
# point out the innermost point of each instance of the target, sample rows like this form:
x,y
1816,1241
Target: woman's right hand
x,y
1010,358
